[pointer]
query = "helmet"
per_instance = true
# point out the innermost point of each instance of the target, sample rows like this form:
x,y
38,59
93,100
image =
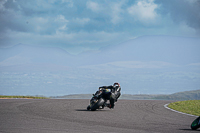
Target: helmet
x,y
116,84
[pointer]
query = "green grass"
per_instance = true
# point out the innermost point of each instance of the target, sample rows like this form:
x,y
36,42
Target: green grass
x,y
189,107
31,97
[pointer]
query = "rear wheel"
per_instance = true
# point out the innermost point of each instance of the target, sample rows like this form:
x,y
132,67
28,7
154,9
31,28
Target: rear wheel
x,y
196,123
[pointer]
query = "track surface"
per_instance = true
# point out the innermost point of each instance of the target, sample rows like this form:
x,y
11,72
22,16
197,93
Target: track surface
x,y
65,115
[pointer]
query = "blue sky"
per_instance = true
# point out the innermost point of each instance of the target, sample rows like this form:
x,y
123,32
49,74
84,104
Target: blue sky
x,y
82,25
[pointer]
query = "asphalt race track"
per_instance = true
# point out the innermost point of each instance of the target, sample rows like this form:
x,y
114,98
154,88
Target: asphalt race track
x,y
66,115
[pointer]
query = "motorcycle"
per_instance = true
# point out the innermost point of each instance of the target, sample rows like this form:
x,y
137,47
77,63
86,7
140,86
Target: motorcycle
x,y
97,101
195,124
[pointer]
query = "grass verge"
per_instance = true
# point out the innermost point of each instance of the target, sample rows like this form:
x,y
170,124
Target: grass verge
x,y
189,107
25,97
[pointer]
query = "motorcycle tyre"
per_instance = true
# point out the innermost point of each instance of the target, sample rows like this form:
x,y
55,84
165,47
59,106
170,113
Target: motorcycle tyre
x,y
88,107
97,104
195,124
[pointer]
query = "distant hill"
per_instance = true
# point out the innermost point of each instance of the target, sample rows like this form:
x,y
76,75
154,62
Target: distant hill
x,y
187,95
74,96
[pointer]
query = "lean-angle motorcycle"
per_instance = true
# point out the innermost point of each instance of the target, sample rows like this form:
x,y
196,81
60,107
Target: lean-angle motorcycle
x,y
196,123
97,101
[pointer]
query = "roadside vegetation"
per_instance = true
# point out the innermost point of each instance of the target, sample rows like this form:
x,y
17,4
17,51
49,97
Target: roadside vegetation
x,y
189,107
25,97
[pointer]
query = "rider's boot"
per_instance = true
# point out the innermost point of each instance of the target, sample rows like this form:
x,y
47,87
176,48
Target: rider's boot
x,y
109,106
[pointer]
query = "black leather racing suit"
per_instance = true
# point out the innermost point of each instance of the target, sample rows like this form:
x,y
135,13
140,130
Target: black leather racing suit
x,y
113,95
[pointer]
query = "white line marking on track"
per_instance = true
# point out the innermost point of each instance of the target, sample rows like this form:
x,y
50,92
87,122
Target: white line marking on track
x,y
166,106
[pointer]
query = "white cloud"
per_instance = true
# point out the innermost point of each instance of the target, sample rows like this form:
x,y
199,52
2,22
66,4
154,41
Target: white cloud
x,y
144,11
111,9
63,28
185,29
82,21
116,10
61,23
69,2
74,42
61,18
95,7
2,4
41,20
98,23
134,64
191,1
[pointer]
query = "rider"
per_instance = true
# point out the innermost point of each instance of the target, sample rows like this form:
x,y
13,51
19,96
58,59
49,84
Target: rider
x,y
113,95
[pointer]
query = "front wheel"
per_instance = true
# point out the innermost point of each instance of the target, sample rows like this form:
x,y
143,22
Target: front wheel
x,y
96,105
88,107
196,123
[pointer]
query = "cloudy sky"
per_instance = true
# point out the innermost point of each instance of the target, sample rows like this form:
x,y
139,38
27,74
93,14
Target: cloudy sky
x,y
81,25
